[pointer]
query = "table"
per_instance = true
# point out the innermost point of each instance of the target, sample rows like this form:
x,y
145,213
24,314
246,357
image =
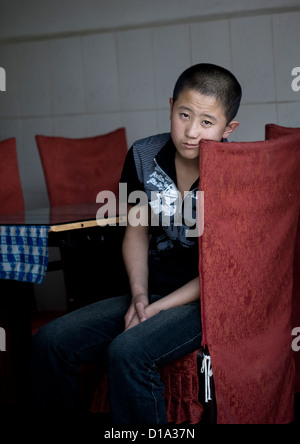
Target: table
x,y
25,237
90,250
69,217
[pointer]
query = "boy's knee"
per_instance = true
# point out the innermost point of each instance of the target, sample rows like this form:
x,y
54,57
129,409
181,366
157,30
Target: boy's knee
x,y
125,348
43,339
47,337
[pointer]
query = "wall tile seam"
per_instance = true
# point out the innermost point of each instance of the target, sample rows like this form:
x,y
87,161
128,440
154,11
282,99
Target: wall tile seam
x,y
128,111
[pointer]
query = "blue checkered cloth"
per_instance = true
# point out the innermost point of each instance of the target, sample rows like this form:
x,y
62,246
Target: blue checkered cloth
x,y
24,253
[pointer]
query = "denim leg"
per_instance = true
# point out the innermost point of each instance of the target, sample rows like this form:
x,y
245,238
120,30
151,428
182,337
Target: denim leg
x,y
59,348
135,389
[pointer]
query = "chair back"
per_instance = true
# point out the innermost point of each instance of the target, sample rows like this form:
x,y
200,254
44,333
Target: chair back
x,y
11,194
273,131
246,256
77,169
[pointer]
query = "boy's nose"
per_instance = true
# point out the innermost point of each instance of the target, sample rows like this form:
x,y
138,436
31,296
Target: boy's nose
x,y
192,130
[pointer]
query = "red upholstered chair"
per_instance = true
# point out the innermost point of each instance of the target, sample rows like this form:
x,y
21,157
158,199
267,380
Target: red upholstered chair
x,y
11,194
251,192
275,131
77,169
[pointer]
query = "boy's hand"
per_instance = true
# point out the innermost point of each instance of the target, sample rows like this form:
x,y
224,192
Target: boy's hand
x,y
140,311
136,312
143,313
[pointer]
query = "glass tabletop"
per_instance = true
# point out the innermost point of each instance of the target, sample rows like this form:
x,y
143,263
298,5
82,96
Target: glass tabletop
x,y
64,215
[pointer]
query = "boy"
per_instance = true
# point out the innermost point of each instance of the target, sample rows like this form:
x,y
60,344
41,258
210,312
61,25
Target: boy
x,y
162,313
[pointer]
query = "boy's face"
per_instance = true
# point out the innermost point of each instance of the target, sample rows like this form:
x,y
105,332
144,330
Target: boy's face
x,y
195,116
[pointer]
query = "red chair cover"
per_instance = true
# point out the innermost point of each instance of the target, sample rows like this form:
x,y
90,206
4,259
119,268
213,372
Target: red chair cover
x,y
251,201
77,169
273,131
11,194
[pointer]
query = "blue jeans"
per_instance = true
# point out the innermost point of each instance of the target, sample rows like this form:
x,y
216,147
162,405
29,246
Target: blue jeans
x,y
95,333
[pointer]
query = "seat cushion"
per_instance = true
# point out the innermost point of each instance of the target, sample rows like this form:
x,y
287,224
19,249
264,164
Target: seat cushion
x,y
180,378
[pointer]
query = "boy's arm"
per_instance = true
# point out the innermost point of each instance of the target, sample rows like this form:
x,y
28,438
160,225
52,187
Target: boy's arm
x,y
135,254
189,292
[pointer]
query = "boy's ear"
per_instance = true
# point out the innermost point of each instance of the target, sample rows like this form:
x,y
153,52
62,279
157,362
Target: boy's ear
x,y
171,102
230,128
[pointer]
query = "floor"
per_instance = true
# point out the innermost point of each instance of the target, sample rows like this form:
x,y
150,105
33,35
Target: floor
x,y
104,418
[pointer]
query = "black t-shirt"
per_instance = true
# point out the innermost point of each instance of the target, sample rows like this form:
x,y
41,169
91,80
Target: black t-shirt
x,y
171,264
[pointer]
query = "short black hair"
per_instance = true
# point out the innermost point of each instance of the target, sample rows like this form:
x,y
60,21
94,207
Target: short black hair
x,y
212,80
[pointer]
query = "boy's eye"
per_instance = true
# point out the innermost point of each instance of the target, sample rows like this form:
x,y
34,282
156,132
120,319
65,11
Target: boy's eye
x,y
206,123
184,115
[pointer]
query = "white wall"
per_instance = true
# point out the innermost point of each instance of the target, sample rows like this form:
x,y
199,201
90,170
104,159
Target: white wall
x,y
19,18
81,68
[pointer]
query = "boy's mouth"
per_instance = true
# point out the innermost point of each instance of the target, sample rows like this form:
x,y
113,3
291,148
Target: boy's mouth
x,y
191,145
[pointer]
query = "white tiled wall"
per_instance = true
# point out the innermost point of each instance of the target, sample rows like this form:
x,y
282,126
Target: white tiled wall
x,y
210,41
252,57
100,73
172,53
286,54
35,17
91,83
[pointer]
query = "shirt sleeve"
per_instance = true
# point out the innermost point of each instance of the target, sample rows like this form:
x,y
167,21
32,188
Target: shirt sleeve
x,y
129,174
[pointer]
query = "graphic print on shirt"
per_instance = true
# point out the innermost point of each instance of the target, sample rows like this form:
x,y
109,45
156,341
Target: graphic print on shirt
x,y
169,210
